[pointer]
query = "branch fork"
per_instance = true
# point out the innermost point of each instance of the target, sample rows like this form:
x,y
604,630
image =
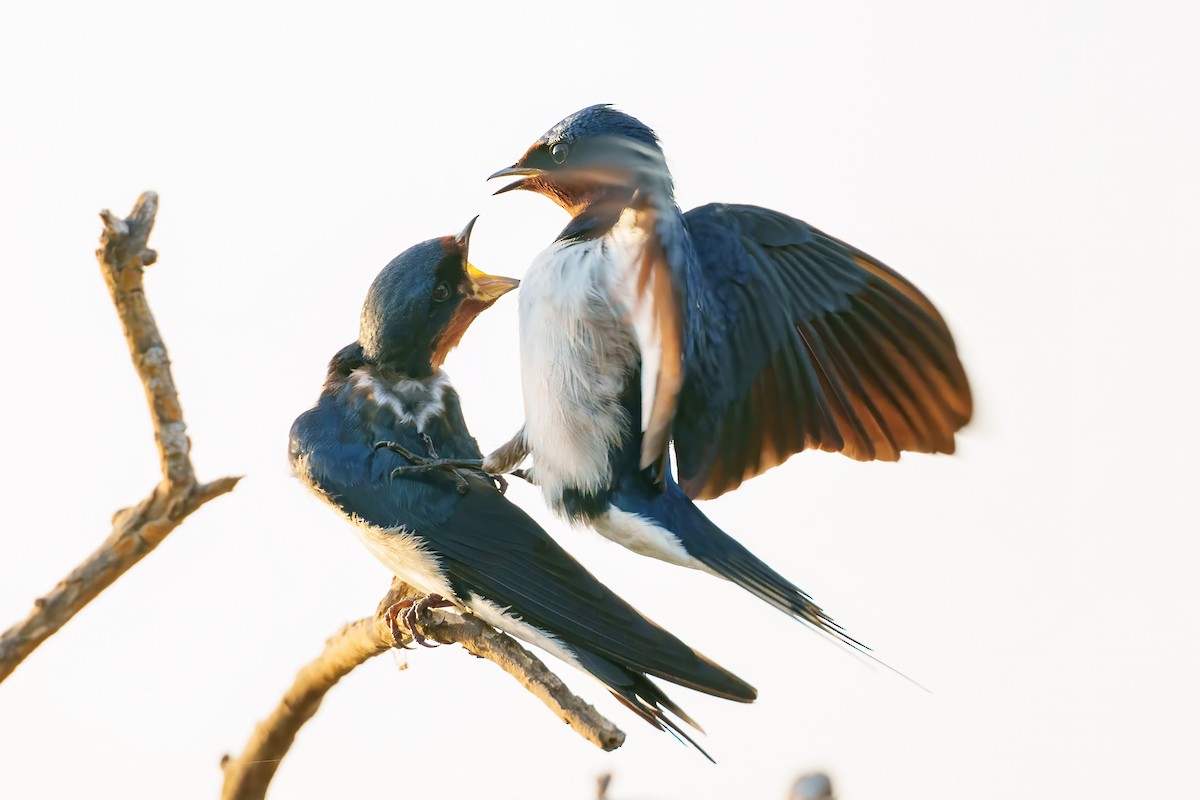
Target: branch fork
x,y
137,530
123,256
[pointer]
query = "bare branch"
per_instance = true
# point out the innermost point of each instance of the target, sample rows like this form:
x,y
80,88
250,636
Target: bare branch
x,y
136,531
482,640
248,776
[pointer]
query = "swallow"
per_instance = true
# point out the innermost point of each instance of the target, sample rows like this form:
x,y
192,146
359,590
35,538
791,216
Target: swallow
x,y
739,334
371,447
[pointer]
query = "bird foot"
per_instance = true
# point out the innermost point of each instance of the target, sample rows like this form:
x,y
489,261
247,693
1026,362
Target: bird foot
x,y
433,463
525,475
410,610
392,618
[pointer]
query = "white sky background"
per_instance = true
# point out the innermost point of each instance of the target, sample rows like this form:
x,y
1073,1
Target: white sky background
x,y
1033,167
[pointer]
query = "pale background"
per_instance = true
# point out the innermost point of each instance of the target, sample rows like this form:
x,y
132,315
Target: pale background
x,y
1034,167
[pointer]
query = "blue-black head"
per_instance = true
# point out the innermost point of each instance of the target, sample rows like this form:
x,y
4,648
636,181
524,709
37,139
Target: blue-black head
x,y
597,153
421,304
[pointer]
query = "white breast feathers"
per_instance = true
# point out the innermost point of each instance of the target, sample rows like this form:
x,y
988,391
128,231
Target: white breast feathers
x,y
577,348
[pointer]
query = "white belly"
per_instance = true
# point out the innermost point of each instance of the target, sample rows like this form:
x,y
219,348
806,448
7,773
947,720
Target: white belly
x,y
407,558
577,347
645,537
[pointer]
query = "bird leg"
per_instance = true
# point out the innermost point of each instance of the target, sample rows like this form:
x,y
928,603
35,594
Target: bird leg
x,y
508,456
432,463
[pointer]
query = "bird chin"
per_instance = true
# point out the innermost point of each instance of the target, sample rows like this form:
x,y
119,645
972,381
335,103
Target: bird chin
x,y
519,184
452,335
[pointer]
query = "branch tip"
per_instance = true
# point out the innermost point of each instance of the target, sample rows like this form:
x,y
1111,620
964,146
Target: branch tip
x,y
145,209
113,224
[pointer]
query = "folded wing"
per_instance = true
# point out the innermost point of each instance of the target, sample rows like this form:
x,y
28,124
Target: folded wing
x,y
489,547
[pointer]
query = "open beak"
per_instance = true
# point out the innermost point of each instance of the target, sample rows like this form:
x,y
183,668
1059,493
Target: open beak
x,y
463,239
485,288
525,172
489,288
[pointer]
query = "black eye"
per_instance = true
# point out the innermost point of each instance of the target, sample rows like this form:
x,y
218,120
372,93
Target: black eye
x,y
441,292
559,152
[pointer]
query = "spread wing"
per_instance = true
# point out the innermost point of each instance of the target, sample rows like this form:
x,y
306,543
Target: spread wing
x,y
796,341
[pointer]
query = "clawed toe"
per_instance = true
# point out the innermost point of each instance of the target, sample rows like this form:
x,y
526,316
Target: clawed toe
x,y
409,610
431,463
391,616
400,449
410,619
525,475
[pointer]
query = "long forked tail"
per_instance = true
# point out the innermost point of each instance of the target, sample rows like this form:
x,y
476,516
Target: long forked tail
x,y
674,514
650,702
745,569
641,696
723,555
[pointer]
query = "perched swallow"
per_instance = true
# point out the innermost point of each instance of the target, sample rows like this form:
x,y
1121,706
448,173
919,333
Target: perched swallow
x,y
739,333
370,448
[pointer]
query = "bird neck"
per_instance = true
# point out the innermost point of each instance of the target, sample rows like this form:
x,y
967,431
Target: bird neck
x,y
414,368
396,348
390,366
596,213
